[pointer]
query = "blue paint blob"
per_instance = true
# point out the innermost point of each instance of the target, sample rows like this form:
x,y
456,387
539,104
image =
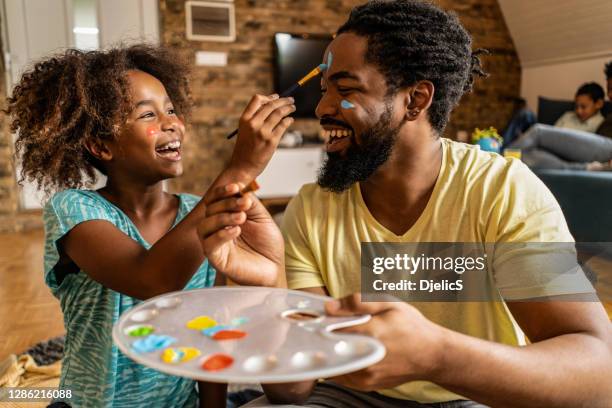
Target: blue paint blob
x,y
152,343
322,67
211,331
330,59
346,104
238,321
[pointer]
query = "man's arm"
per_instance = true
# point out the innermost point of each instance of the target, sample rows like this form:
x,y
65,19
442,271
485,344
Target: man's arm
x,y
569,362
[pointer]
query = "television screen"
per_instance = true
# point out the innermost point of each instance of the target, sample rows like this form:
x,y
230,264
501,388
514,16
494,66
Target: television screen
x,y
295,56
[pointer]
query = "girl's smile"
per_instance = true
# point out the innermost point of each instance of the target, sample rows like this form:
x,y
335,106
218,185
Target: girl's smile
x,y
169,150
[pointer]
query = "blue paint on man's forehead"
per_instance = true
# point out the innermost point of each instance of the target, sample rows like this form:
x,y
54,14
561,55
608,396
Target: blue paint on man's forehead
x,y
330,59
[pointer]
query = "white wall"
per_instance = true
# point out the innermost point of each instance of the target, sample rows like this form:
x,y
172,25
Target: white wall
x,y
560,81
126,22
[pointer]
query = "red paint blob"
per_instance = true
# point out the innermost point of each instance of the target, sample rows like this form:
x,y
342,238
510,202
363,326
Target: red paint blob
x,y
229,335
217,362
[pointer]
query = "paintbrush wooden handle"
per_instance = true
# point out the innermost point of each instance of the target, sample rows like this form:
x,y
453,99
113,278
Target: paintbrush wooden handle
x,y
234,133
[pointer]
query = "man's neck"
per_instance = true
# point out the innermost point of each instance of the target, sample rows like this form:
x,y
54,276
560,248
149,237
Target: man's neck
x,y
399,191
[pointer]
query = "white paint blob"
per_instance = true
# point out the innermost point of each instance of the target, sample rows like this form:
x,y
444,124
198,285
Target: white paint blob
x,y
168,303
144,315
308,359
351,348
259,364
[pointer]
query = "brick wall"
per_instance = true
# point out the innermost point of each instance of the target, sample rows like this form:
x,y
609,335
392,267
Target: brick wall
x,y
220,94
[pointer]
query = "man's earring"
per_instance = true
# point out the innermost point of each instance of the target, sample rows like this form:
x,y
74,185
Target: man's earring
x,y
414,112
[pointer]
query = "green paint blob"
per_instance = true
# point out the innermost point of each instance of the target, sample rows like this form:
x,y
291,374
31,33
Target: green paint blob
x,y
141,331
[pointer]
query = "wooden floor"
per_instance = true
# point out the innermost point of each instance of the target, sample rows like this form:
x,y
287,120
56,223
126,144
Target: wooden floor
x,y
28,312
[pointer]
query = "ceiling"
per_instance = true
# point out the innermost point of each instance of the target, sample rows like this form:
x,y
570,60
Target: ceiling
x,y
554,31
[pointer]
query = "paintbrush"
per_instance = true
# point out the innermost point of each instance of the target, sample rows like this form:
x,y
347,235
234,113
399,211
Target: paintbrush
x,y
251,187
294,87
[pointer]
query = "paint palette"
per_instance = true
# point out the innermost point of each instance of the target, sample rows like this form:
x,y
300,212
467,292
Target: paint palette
x,y
244,334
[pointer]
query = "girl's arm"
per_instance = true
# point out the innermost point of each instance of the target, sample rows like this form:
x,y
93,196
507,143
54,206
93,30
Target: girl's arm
x,y
112,258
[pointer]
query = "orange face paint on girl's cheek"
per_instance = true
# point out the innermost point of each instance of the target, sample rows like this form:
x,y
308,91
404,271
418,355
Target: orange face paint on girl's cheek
x,y
152,130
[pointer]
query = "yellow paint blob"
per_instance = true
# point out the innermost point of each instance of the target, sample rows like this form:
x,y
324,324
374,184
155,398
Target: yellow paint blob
x,y
174,355
201,323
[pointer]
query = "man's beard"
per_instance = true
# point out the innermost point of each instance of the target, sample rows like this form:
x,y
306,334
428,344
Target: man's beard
x,y
360,161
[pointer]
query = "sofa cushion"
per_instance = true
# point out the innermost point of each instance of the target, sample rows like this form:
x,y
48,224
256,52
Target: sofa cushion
x,y
584,197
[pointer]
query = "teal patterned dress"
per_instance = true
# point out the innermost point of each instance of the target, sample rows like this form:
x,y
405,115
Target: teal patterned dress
x,y
96,372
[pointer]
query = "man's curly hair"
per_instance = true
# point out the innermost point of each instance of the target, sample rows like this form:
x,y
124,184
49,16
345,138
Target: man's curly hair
x,y
410,41
75,97
608,70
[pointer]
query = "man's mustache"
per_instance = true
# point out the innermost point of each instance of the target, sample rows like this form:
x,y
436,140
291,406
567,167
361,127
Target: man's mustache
x,y
331,121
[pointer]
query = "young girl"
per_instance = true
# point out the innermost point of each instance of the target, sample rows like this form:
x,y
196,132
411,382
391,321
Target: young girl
x,y
121,112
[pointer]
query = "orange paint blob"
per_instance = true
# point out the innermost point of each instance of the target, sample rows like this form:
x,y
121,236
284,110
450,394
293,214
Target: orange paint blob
x,y
217,362
229,335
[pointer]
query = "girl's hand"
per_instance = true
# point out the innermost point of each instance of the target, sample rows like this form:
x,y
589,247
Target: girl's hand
x,y
240,239
261,127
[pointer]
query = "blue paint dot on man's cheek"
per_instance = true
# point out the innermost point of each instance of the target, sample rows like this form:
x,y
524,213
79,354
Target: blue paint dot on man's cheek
x,y
346,104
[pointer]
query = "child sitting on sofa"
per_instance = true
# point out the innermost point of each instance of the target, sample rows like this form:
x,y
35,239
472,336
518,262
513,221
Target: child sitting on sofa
x,y
586,115
571,143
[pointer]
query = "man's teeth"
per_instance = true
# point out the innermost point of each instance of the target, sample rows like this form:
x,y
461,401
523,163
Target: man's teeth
x,y
170,146
336,133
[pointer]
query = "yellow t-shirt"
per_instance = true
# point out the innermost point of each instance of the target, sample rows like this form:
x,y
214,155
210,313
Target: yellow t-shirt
x,y
478,197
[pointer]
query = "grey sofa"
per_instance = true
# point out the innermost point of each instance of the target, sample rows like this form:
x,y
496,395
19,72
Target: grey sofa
x,y
586,200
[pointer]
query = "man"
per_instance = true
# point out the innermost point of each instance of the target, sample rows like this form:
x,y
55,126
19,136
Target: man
x,y
396,70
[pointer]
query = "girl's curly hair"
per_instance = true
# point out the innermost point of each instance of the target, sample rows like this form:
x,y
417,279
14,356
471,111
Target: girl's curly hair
x,y
75,97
